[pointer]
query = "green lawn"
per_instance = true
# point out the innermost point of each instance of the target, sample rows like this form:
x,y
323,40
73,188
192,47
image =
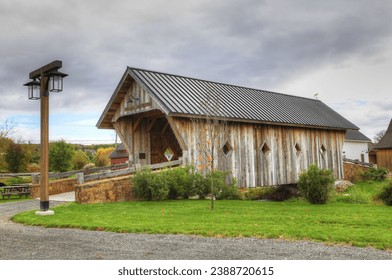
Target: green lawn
x,y
333,223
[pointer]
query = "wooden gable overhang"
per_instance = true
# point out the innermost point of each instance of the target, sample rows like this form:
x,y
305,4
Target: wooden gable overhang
x,y
132,109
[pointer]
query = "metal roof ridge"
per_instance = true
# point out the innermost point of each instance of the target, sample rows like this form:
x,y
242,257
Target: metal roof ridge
x,y
222,83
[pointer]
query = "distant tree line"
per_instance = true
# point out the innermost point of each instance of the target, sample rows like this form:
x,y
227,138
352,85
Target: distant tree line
x,y
18,156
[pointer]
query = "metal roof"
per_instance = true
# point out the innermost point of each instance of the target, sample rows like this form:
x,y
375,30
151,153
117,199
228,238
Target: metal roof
x,y
355,135
184,96
386,141
119,152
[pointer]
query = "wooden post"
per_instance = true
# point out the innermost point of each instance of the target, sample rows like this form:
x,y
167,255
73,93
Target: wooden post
x,y
44,192
35,178
80,178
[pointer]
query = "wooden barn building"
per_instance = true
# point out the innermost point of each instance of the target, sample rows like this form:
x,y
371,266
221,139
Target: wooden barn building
x,y
263,138
384,149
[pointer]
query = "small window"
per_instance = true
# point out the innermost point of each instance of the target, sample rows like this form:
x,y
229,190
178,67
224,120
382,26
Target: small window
x,y
323,150
297,149
227,148
265,149
169,154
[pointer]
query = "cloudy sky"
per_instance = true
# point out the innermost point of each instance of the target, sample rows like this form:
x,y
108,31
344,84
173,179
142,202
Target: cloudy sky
x,y
338,49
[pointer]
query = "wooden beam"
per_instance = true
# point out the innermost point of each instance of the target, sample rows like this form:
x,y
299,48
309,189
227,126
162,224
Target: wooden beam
x,y
151,125
137,124
164,128
176,132
54,65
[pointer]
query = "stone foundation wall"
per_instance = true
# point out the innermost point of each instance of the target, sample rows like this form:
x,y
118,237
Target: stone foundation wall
x,y
102,191
55,187
353,171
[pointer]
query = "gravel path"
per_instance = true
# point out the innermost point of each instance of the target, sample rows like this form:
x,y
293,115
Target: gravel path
x,y
34,243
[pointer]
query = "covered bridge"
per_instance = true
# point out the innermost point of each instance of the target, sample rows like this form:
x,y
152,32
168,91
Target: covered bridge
x,y
263,138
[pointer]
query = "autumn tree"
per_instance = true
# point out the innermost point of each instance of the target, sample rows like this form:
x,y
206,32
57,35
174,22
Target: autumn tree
x,y
102,157
79,160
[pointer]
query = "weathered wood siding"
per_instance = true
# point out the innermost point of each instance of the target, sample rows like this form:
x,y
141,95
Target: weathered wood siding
x,y
131,126
288,151
384,158
136,101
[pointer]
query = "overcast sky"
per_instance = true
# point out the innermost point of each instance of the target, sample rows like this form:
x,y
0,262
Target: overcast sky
x,y
338,49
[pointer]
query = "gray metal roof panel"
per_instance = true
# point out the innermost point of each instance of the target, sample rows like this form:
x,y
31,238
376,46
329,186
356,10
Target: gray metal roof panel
x,y
184,95
356,135
386,141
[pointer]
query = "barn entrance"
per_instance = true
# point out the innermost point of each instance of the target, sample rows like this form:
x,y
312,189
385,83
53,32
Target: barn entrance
x,y
163,143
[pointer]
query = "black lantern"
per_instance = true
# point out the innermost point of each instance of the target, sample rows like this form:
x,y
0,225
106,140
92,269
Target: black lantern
x,y
56,81
34,89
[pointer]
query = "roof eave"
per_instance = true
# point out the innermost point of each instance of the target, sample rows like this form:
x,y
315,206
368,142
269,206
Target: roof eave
x,y
111,101
260,122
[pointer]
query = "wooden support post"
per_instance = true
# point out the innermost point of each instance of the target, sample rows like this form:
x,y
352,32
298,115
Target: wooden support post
x,y
44,161
35,178
80,178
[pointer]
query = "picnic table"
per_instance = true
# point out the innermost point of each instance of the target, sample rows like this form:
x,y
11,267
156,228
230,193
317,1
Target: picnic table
x,y
20,190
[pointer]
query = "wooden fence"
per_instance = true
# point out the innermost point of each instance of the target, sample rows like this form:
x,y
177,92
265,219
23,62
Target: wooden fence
x,y
63,175
82,178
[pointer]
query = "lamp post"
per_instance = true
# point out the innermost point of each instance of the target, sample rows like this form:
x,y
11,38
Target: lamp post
x,y
44,80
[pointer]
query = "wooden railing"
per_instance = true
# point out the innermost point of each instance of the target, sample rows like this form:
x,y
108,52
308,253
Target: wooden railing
x,y
61,175
96,173
82,178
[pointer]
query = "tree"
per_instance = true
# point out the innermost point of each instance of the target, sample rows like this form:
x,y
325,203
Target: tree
x,y
4,144
14,157
378,136
79,160
211,131
60,156
7,129
102,157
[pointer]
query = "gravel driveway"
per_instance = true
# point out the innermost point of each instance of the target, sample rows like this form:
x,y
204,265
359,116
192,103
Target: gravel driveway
x,y
27,243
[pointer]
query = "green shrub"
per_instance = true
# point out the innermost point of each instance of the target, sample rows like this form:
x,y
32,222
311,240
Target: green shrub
x,y
282,193
279,193
386,195
376,174
149,186
259,193
179,181
201,186
215,184
182,182
316,185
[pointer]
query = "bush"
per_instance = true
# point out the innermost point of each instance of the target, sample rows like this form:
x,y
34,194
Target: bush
x,y
282,193
215,184
259,193
79,160
386,195
376,174
279,193
149,186
316,185
181,183
33,167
